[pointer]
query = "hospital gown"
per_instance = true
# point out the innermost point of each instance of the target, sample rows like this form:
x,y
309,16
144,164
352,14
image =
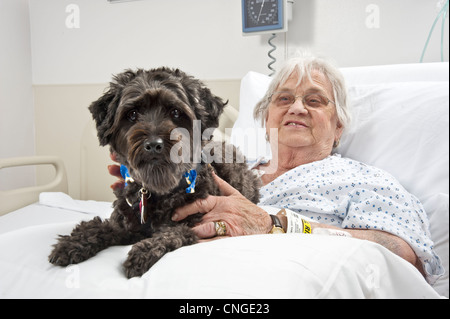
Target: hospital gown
x,y
349,194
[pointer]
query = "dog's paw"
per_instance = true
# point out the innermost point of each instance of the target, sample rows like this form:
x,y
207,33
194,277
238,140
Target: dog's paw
x,y
66,252
142,257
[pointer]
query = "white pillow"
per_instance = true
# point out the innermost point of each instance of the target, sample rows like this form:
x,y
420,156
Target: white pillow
x,y
403,129
247,133
377,74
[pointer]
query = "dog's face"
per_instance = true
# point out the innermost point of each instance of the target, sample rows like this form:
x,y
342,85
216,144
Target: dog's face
x,y
147,118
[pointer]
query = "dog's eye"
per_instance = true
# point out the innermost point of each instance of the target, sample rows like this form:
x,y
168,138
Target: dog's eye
x,y
175,113
132,116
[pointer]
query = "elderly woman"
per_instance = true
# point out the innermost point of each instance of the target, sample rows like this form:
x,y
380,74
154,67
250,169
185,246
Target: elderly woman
x,y
316,190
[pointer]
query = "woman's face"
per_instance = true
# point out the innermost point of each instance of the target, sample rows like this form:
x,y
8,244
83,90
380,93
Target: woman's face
x,y
313,126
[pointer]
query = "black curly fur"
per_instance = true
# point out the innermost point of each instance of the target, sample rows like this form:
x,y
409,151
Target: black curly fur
x,y
151,97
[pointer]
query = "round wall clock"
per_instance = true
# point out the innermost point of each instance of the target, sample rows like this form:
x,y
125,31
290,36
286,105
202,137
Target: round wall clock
x,y
264,16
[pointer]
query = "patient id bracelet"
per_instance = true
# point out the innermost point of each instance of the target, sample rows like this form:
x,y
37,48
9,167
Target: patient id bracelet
x,y
296,224
306,227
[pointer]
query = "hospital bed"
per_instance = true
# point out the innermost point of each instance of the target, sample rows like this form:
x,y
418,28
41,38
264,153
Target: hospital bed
x,y
401,124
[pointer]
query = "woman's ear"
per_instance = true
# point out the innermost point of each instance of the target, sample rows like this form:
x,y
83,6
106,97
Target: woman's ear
x,y
338,134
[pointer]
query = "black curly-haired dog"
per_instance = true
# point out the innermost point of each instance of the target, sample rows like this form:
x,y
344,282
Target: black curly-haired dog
x,y
151,120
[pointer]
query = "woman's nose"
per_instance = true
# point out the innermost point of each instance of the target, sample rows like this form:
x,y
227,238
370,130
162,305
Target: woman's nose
x,y
298,107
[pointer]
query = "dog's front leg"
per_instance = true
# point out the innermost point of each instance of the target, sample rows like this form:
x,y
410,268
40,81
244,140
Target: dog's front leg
x,y
86,240
147,252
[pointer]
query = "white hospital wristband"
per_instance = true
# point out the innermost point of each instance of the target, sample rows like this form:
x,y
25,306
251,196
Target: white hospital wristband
x,y
295,222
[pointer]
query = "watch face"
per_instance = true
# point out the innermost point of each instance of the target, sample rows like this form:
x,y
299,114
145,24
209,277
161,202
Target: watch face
x,y
262,13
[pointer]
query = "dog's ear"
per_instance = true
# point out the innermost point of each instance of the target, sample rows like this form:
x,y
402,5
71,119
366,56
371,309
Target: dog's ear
x,y
103,111
213,107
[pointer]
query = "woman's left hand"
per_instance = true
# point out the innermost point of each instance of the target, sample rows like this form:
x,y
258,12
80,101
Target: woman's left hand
x,y
241,216
114,170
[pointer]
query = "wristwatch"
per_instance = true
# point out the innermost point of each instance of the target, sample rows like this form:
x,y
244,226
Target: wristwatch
x,y
277,227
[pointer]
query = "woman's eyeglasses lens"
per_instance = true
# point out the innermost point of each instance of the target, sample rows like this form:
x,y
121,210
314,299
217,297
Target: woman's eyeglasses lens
x,y
284,99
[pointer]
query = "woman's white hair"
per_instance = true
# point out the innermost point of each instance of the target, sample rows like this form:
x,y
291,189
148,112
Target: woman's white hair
x,y
303,66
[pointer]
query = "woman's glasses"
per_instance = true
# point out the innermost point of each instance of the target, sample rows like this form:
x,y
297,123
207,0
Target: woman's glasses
x,y
313,100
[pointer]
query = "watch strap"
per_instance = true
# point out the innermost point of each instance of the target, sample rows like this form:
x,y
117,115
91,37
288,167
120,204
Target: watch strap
x,y
277,226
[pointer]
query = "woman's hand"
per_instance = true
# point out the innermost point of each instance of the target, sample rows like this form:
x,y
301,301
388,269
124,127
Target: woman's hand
x,y
241,216
114,170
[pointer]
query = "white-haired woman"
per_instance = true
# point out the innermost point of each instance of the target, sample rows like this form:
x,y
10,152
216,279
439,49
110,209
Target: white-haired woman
x,y
314,189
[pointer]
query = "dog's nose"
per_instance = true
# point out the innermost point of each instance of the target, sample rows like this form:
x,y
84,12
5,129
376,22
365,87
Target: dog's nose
x,y
154,145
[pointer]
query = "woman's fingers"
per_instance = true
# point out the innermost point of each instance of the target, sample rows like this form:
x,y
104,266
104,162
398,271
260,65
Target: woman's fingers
x,y
204,231
225,188
114,170
208,204
231,211
199,206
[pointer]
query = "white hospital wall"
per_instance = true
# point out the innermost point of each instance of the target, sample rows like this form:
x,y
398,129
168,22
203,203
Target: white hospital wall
x,y
16,95
368,32
204,37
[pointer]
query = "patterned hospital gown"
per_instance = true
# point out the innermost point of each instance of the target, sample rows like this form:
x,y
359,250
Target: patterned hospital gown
x,y
349,194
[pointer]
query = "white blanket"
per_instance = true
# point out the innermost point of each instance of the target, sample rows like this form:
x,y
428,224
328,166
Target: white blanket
x,y
266,266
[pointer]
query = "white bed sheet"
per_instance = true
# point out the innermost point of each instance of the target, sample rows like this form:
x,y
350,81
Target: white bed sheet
x,y
305,266
54,208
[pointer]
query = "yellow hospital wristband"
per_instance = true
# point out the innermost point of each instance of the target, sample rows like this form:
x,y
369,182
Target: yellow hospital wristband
x,y
306,227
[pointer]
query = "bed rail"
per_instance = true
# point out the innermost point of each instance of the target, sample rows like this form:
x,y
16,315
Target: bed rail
x,y
11,200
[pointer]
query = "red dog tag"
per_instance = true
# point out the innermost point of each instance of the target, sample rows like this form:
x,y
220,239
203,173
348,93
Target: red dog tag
x,y
143,206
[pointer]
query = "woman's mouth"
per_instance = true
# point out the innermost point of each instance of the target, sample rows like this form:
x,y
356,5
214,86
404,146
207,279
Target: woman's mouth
x,y
295,124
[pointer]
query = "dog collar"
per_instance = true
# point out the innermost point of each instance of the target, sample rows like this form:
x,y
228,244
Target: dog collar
x,y
126,175
188,180
191,179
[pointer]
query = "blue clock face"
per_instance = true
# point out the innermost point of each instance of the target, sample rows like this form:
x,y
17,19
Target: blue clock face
x,y
262,13
262,16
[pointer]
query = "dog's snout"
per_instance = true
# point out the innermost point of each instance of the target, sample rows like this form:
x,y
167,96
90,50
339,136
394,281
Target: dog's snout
x,y
154,145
